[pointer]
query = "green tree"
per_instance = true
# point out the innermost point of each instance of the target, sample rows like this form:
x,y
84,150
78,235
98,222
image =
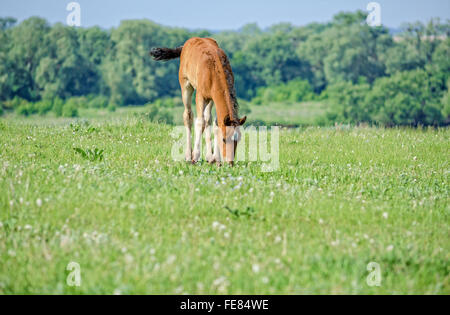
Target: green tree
x,y
347,102
415,46
25,50
95,45
294,91
401,57
269,59
63,71
7,22
344,50
406,98
355,53
439,67
445,104
6,68
132,77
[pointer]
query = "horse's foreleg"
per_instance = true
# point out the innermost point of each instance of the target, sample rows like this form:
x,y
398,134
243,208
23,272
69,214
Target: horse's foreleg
x,y
217,142
207,114
199,127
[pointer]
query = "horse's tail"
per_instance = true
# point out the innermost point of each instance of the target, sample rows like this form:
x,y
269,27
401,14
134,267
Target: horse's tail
x,y
166,53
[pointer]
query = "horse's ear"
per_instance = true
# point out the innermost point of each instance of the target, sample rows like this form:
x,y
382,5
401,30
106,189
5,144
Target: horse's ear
x,y
227,121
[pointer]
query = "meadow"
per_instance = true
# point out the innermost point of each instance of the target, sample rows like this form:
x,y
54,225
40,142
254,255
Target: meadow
x,y
105,193
272,113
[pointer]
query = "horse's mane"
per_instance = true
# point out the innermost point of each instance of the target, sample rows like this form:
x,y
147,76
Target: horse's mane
x,y
226,67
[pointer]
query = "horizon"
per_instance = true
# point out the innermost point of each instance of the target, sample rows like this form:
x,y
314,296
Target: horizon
x,y
298,13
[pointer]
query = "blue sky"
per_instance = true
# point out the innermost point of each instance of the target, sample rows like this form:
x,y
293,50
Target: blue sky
x,y
220,15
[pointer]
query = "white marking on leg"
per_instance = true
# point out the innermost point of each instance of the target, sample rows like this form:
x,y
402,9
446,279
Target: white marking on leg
x,y
198,138
207,115
217,141
187,119
188,124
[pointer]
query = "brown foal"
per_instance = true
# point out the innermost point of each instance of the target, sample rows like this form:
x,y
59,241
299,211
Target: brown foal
x,y
204,67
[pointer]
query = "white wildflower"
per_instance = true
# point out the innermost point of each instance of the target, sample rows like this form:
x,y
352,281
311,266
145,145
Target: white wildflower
x,y
335,243
128,258
219,281
218,226
171,259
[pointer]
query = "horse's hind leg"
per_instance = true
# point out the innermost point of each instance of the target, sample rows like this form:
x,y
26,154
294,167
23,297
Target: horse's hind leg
x,y
186,92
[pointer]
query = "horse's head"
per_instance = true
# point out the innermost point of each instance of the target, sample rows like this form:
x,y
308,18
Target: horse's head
x,y
231,135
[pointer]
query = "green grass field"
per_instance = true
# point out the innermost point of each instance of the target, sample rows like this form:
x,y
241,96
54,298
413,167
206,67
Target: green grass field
x,y
138,222
301,114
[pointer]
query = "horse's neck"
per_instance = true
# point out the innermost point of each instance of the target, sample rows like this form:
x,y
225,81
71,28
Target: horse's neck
x,y
225,94
223,101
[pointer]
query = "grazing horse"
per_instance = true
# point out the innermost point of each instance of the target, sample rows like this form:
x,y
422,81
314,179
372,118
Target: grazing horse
x,y
204,67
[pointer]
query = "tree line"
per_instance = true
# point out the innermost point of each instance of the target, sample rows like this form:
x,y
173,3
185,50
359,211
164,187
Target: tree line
x,y
363,73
